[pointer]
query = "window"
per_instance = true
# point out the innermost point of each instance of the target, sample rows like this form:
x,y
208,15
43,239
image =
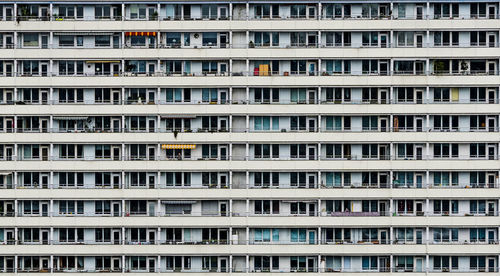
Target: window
x,y
71,207
478,38
445,207
102,12
478,10
174,39
266,151
70,67
338,151
443,235
209,67
370,151
441,94
182,179
337,10
266,11
446,38
369,39
477,234
405,94
338,95
266,39
30,40
209,11
136,40
477,150
369,123
369,206
477,179
478,262
138,179
298,66
138,263
102,207
266,263
337,179
31,67
102,151
405,150
30,179
404,263
478,94
335,206
138,207
31,207
102,95
405,123
406,39
443,263
445,150
369,262
68,235
404,235
445,122
298,11
70,179
29,235
265,179
102,40
405,206
103,263
298,95
102,234
31,152
477,122
266,207
443,10
337,123
67,11
70,95
444,179
477,206
338,66
102,179
266,95
266,123
338,39
70,151
66,41
266,235
178,94
209,39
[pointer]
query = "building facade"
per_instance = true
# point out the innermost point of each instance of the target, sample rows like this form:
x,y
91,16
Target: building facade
x,y
263,137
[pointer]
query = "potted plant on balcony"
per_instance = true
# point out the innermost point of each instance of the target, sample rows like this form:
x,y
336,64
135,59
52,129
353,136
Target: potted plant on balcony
x,y
154,16
464,67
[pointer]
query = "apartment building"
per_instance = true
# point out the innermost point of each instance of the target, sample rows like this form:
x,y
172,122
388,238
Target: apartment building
x,y
250,137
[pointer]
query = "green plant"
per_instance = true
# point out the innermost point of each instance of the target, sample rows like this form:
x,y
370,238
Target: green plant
x,y
439,66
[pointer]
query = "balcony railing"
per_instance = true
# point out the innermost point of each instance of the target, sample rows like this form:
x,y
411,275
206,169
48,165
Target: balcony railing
x,y
290,73
350,185
323,16
197,157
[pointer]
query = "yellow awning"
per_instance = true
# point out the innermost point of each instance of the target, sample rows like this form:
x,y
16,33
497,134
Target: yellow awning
x,y
178,146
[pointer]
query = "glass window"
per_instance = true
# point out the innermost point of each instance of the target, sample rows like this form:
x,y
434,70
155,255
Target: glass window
x,y
209,39
30,40
102,40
